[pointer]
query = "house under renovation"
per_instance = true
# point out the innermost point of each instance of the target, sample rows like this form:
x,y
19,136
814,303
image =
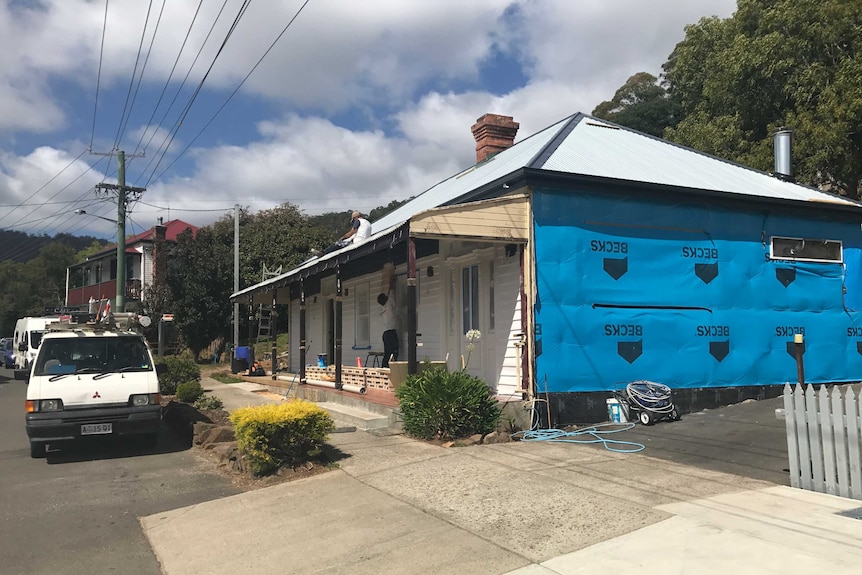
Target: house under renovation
x,y
588,256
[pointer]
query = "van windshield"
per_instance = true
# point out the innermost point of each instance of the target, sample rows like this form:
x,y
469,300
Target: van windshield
x,y
92,355
36,338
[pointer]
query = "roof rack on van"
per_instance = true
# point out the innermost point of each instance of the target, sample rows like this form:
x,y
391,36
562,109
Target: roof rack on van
x,y
120,321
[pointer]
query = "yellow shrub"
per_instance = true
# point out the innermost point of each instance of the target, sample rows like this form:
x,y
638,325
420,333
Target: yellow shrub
x,y
279,434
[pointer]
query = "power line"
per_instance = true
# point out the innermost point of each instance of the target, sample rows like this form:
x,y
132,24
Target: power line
x,y
179,90
268,50
99,74
57,175
143,68
182,210
170,76
200,85
134,73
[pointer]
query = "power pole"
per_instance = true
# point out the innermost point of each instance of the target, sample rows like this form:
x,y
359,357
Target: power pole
x,y
236,276
122,191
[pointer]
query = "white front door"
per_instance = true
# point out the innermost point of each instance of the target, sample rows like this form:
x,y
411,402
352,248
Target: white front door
x,y
471,318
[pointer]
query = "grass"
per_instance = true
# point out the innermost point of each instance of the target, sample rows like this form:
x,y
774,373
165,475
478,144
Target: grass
x,y
225,377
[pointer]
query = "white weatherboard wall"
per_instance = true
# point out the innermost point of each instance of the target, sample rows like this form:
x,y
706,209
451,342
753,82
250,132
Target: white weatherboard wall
x,y
500,355
507,281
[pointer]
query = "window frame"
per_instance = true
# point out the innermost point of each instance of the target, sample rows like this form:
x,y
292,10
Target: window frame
x,y
358,341
782,255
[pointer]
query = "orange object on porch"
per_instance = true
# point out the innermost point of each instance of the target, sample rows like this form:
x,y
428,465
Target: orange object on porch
x,y
358,361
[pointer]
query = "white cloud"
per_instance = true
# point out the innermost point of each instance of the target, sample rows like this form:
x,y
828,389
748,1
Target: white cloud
x,y
312,163
408,66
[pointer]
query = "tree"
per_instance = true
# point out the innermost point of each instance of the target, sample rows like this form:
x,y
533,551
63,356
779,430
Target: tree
x,y
641,104
282,236
29,287
775,63
200,276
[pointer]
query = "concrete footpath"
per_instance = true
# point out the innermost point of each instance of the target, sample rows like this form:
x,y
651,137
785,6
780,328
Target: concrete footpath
x,y
396,505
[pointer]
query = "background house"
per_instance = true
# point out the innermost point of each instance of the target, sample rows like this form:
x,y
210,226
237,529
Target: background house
x,y
589,256
96,277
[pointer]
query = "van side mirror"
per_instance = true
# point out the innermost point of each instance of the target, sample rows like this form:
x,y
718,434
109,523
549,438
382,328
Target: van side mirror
x,y
22,346
161,368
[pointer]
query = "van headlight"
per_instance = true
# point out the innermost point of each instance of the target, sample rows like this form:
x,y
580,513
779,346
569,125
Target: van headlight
x,y
42,405
142,399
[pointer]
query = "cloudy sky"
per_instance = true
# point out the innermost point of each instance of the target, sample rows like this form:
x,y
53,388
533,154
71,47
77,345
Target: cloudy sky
x,y
331,105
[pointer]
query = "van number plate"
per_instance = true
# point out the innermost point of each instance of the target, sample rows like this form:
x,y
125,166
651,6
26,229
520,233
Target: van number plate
x,y
96,428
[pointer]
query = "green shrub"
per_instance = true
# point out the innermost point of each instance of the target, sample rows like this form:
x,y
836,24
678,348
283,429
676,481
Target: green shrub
x,y
190,391
209,402
278,434
437,404
177,370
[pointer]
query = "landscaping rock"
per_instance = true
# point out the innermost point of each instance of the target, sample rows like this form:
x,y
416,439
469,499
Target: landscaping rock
x,y
214,435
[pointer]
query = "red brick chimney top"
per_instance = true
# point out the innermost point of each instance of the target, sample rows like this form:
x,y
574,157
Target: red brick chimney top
x,y
493,133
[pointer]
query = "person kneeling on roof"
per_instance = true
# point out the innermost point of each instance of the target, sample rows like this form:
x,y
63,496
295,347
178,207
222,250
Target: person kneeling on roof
x,y
360,230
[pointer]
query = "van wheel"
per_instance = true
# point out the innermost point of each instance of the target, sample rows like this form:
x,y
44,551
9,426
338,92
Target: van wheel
x,y
37,450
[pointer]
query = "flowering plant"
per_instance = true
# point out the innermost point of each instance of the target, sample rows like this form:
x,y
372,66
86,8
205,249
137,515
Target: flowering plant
x,y
472,335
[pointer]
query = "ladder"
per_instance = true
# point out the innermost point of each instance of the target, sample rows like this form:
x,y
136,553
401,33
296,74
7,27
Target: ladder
x,y
264,312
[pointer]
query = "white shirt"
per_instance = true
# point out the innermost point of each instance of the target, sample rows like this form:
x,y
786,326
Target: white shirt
x,y
387,313
363,231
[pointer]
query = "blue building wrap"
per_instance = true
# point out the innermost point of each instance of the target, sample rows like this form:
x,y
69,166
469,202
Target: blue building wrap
x,y
688,296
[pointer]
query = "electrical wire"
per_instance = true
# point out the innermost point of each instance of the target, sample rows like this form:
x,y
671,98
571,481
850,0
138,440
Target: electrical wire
x,y
143,68
268,50
45,185
168,81
99,74
185,210
200,85
132,80
179,90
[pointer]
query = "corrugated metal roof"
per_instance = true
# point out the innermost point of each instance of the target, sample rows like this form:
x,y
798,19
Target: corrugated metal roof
x,y
587,146
450,190
599,148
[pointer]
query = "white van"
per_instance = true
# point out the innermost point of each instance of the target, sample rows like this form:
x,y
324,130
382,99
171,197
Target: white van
x,y
28,335
91,380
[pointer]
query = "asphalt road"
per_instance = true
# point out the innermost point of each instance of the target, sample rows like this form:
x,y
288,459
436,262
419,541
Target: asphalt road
x,y
76,512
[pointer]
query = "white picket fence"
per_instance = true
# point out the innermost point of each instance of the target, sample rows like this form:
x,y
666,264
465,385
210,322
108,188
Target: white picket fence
x,y
824,439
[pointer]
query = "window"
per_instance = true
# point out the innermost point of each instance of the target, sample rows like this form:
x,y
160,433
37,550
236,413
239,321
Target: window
x,y
470,298
453,286
806,249
114,269
87,276
363,320
98,273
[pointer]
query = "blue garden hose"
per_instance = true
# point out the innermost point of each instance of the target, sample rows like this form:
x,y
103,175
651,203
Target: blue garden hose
x,y
587,435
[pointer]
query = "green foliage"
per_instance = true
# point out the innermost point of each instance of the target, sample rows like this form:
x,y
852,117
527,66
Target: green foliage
x,y
437,404
29,287
95,247
178,370
200,276
641,104
774,63
226,377
280,434
208,402
190,391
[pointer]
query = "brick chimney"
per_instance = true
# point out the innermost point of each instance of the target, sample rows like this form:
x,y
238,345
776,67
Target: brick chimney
x,y
160,253
493,133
